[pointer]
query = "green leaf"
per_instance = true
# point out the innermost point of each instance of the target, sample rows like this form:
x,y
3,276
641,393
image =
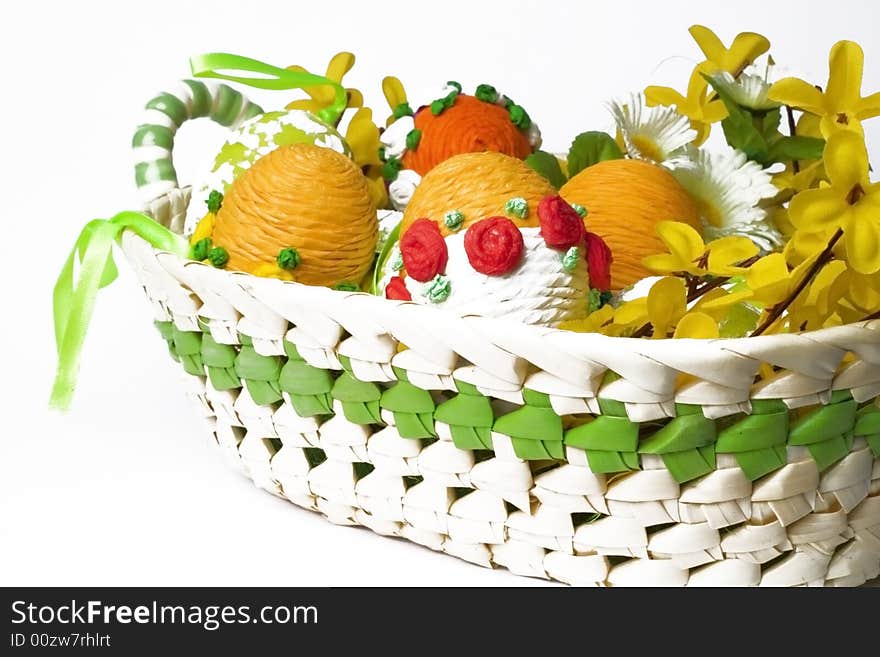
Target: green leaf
x,y
786,149
768,123
589,148
739,127
392,239
548,166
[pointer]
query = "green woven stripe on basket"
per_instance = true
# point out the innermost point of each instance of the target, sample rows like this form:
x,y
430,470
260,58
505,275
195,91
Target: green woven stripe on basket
x,y
166,330
868,427
535,429
260,375
610,440
686,444
359,399
758,440
469,416
188,345
219,360
307,386
413,410
827,431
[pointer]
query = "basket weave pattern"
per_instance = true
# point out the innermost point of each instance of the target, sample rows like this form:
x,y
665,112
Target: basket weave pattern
x,y
465,440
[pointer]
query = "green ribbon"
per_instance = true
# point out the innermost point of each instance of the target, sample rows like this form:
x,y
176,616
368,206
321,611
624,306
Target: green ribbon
x,y
208,65
73,299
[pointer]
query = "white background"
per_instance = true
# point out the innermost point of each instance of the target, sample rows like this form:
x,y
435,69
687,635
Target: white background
x,y
123,490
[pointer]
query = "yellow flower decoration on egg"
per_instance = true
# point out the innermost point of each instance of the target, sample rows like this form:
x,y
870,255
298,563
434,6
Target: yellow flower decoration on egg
x,y
321,97
689,254
362,134
850,202
395,94
204,228
841,106
362,137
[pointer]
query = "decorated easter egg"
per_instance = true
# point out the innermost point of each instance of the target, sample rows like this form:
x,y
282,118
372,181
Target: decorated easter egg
x,y
468,125
446,125
300,213
252,140
467,188
624,200
497,267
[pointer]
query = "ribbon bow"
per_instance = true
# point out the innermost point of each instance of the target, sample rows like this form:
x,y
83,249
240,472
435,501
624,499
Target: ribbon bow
x,y
73,299
209,65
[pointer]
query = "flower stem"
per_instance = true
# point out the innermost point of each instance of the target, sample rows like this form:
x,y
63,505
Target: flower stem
x,y
824,258
694,292
792,131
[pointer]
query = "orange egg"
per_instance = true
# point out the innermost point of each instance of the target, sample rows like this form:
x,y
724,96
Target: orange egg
x,y
312,199
625,200
469,126
478,185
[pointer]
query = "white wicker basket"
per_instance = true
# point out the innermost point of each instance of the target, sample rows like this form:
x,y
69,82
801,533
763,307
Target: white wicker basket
x,y
812,519
577,457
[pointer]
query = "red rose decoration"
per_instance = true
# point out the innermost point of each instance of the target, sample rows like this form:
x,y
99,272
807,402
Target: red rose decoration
x,y
561,226
423,250
599,259
494,246
396,289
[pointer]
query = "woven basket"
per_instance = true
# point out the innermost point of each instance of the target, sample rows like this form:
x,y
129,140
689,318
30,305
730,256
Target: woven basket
x,y
576,457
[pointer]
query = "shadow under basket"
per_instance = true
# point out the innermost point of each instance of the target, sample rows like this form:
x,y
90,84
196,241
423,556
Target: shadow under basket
x,y
575,457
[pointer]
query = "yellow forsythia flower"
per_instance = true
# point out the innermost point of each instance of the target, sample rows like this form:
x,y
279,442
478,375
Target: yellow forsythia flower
x,y
689,254
851,203
699,105
696,325
745,49
841,106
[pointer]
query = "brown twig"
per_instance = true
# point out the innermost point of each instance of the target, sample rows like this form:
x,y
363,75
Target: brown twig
x,y
696,292
792,131
824,258
874,315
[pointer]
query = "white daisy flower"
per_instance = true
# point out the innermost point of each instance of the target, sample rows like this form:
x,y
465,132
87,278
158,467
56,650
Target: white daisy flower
x,y
749,91
651,133
728,188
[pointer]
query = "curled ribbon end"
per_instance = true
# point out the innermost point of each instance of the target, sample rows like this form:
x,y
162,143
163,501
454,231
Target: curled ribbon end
x,y
74,296
62,395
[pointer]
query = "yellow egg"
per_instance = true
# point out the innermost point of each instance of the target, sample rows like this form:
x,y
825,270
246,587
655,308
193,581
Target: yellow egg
x,y
478,185
625,199
300,196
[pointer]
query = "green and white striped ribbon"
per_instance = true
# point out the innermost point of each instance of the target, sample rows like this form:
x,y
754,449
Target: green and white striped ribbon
x,y
163,115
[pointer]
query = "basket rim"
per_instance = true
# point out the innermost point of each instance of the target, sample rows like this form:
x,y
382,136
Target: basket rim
x,y
834,334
